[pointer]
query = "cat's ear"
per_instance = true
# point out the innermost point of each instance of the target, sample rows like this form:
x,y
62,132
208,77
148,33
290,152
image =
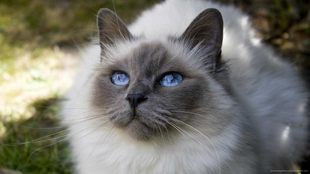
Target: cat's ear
x,y
111,28
206,32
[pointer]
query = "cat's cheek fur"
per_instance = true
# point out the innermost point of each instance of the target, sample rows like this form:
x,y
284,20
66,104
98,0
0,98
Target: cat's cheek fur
x,y
104,91
186,96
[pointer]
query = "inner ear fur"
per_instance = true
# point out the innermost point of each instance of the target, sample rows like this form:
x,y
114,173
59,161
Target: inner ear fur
x,y
206,31
111,28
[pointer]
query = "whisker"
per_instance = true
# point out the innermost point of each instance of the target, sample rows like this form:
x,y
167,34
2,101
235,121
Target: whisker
x,y
219,163
63,140
96,145
35,140
197,114
177,128
162,136
87,5
109,136
42,139
84,118
58,127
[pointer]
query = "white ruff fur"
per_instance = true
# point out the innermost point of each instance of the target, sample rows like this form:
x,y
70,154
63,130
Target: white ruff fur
x,y
268,88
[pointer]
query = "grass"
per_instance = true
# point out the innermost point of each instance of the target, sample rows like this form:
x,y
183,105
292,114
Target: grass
x,y
49,157
38,58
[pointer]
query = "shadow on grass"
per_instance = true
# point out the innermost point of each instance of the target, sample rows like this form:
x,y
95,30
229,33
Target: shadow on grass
x,y
22,147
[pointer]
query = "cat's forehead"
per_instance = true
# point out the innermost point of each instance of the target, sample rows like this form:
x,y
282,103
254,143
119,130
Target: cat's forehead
x,y
151,58
147,58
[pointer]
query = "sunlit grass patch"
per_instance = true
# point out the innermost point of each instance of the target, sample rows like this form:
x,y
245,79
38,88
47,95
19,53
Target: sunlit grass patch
x,y
33,78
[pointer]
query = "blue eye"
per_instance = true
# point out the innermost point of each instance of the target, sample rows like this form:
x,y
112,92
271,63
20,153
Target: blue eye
x,y
119,78
171,79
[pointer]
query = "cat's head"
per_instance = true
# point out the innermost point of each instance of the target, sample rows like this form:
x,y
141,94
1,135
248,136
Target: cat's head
x,y
149,86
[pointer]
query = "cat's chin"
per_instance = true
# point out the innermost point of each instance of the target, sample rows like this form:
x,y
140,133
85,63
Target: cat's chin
x,y
138,130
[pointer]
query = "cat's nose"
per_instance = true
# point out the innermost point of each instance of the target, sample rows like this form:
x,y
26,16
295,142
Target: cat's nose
x,y
135,99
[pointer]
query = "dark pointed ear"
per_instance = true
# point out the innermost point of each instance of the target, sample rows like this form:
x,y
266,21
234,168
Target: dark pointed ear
x,y
111,27
206,31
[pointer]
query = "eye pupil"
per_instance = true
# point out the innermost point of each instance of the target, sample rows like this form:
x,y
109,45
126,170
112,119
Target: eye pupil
x,y
169,78
121,77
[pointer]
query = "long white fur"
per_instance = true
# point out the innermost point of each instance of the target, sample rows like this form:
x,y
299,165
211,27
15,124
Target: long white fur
x,y
269,88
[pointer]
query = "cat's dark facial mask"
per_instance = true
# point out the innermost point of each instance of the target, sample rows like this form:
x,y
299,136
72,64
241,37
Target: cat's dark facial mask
x,y
145,65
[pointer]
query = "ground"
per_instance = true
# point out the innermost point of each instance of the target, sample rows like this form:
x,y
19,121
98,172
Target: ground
x,y
39,43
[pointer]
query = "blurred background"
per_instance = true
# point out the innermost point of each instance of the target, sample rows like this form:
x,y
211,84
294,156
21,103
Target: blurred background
x,y
39,54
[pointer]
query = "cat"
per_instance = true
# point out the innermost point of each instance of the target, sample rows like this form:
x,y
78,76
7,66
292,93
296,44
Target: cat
x,y
186,88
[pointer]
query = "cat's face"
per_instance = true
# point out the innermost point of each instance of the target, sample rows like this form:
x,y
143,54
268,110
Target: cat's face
x,y
146,67
152,86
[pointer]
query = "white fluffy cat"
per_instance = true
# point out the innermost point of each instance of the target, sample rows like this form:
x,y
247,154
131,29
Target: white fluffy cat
x,y
250,120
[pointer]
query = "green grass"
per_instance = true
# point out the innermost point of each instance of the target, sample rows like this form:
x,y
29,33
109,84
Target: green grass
x,y
38,57
34,157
